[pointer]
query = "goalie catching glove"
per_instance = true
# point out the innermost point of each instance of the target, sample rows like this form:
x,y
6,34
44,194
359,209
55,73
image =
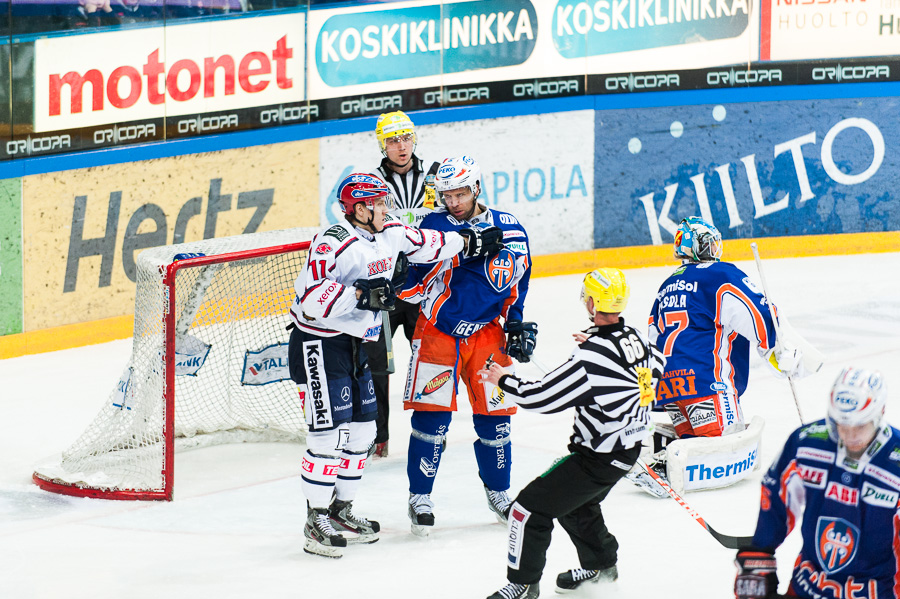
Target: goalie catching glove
x,y
376,294
521,339
787,361
485,241
756,577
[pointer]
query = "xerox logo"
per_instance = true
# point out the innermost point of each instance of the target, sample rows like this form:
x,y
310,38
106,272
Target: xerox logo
x,y
199,68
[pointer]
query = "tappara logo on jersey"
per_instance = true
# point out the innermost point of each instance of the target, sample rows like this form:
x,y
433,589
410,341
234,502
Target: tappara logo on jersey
x,y
836,543
500,269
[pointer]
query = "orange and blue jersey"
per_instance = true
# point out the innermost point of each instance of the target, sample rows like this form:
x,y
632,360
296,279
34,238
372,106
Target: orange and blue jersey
x,y
848,511
459,296
704,319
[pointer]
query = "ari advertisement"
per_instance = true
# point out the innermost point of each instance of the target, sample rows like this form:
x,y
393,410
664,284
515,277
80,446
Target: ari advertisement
x,y
813,167
528,168
168,71
83,229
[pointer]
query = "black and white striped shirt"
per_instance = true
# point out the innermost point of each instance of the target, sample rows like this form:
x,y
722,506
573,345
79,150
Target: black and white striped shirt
x,y
610,380
408,188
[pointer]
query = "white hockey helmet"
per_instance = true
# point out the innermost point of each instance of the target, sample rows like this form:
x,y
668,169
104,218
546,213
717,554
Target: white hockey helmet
x,y
857,397
455,173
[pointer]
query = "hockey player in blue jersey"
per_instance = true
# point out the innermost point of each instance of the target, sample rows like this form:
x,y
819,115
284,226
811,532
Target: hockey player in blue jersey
x,y
462,303
706,316
840,479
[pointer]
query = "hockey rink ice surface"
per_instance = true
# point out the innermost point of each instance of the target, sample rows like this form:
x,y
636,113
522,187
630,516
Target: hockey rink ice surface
x,y
235,528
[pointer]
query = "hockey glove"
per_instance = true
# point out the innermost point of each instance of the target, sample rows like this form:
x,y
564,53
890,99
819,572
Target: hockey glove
x,y
756,577
787,361
482,241
521,339
377,294
401,271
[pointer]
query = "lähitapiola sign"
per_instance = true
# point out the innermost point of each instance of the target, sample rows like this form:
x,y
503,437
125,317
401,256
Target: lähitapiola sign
x,y
385,45
610,26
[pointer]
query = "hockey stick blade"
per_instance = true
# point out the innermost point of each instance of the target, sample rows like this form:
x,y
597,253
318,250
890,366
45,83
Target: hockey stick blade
x,y
727,541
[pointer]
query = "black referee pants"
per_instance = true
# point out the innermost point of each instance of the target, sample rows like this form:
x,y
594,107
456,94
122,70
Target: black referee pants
x,y
404,314
571,492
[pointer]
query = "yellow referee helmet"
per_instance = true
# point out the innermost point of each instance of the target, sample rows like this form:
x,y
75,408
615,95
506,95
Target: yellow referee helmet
x,y
394,124
608,288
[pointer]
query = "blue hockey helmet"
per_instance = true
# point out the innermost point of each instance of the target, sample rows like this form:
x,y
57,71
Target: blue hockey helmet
x,y
698,240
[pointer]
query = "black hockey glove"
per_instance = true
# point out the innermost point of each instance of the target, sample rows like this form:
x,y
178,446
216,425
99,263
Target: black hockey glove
x,y
401,271
756,577
377,294
482,241
521,339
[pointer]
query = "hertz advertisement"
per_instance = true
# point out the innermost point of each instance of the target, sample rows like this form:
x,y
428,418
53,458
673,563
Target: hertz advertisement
x,y
84,228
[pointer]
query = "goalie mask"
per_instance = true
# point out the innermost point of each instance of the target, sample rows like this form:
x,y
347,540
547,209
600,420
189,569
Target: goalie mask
x,y
394,124
857,397
698,240
608,288
362,188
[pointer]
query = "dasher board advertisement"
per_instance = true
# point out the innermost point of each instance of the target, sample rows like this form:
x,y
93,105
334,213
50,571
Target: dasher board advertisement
x,y
168,71
761,169
420,45
809,30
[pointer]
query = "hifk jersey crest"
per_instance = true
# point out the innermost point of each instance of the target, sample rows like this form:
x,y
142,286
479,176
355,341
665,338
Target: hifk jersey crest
x,y
836,543
500,269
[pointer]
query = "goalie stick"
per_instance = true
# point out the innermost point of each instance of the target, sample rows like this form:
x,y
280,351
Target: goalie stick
x,y
778,337
727,541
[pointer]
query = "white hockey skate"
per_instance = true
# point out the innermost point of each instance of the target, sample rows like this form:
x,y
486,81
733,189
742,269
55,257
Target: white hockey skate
x,y
517,591
420,514
321,537
647,483
344,520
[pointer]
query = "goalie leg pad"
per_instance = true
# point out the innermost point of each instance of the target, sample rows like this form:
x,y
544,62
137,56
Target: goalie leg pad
x,y
425,449
493,450
714,462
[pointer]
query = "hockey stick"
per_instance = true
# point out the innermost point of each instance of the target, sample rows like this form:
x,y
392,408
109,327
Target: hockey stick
x,y
727,541
388,340
778,337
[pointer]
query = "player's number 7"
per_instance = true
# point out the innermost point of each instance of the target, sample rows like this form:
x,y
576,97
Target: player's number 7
x,y
679,319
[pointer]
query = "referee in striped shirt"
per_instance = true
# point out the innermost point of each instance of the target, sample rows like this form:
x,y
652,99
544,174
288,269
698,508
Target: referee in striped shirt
x,y
610,380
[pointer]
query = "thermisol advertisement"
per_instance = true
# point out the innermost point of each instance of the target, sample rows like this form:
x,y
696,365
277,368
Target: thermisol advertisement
x,y
167,71
813,167
533,167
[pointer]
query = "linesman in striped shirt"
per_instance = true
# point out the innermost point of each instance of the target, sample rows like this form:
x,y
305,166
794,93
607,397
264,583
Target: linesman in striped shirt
x,y
610,380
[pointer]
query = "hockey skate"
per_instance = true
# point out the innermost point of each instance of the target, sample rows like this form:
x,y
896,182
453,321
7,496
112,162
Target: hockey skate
x,y
420,514
344,520
499,503
572,579
517,591
647,483
321,537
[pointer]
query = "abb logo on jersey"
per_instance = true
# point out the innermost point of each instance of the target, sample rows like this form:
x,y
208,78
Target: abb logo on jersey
x,y
842,494
380,266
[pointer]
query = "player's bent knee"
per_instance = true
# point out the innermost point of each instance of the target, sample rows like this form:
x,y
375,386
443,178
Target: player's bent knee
x,y
430,426
327,443
362,435
492,430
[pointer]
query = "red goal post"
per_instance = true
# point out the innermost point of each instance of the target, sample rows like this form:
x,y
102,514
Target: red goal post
x,y
208,366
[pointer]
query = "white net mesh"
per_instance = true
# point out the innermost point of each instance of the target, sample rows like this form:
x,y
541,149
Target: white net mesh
x,y
232,382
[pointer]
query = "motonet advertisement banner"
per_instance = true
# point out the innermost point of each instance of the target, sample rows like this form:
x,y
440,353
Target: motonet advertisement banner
x,y
528,168
83,229
168,71
807,30
814,167
415,45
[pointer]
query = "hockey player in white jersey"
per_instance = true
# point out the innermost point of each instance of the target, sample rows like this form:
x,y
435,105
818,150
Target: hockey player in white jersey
x,y
341,293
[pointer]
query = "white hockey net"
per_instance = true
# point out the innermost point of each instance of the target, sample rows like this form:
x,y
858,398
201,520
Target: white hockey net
x,y
231,381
